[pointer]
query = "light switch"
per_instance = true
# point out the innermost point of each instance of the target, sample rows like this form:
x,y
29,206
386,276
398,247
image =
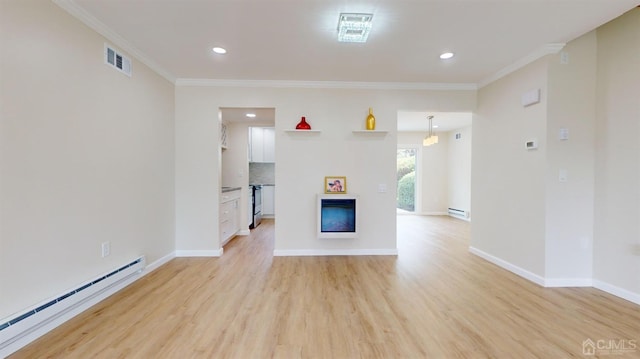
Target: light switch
x,y
382,188
563,135
563,175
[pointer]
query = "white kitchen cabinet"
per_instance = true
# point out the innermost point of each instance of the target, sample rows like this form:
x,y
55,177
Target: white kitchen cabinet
x,y
262,144
229,215
268,201
269,135
256,144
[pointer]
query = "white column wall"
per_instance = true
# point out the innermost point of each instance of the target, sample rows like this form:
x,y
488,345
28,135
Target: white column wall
x,y
569,205
507,180
459,169
616,247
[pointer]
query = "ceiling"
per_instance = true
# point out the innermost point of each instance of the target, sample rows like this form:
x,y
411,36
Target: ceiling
x,y
264,115
296,40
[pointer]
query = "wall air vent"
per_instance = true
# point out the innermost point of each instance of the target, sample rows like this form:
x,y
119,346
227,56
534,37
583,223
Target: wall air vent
x,y
117,60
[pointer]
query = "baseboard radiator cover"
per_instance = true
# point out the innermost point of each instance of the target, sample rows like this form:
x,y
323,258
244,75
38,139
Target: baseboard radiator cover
x,y
33,322
454,212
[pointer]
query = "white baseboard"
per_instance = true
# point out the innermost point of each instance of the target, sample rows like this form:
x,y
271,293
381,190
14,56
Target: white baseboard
x,y
158,263
617,291
334,252
199,253
567,282
559,282
244,232
508,266
407,213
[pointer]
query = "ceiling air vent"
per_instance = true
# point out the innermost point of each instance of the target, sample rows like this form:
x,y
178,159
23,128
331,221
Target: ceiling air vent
x,y
117,60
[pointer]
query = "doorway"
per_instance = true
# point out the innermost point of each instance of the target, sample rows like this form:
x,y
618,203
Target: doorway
x,y
406,177
247,161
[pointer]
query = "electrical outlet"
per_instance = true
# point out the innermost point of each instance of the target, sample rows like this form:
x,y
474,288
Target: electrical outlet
x,y
106,249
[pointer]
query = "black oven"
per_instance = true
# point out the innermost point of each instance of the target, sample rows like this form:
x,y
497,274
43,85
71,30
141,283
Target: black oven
x,y
256,205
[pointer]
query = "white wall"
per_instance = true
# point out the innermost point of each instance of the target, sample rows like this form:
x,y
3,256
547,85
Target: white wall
x,y
302,159
86,155
585,231
523,215
569,205
507,181
459,169
617,180
197,175
435,182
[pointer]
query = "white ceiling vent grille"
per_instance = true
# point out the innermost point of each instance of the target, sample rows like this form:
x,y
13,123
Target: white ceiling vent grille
x,y
117,60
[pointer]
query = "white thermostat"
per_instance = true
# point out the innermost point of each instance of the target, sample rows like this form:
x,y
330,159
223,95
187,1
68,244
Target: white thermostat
x,y
530,97
531,144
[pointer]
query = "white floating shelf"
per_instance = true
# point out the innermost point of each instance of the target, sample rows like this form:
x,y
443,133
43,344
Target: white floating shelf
x,y
300,131
371,131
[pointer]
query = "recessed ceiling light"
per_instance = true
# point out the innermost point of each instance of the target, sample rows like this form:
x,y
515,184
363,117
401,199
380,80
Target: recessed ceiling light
x,y
354,27
219,50
251,115
446,55
435,126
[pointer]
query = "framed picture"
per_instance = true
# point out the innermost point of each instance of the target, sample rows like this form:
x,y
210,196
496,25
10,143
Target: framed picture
x,y
335,184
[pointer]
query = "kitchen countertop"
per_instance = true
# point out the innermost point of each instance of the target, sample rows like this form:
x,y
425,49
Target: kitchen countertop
x,y
229,189
262,184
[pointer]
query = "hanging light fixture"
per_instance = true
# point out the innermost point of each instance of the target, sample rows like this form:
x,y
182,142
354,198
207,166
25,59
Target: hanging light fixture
x,y
431,138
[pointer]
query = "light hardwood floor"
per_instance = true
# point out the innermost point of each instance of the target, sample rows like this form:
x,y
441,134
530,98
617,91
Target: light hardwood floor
x,y
434,300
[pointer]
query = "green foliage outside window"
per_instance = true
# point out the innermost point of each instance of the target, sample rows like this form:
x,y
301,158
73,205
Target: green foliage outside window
x,y
406,191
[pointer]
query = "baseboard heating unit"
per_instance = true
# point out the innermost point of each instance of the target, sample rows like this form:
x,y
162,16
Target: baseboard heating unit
x,y
25,327
458,213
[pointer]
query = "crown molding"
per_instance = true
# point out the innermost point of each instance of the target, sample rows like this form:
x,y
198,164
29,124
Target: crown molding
x,y
79,13
548,49
328,84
